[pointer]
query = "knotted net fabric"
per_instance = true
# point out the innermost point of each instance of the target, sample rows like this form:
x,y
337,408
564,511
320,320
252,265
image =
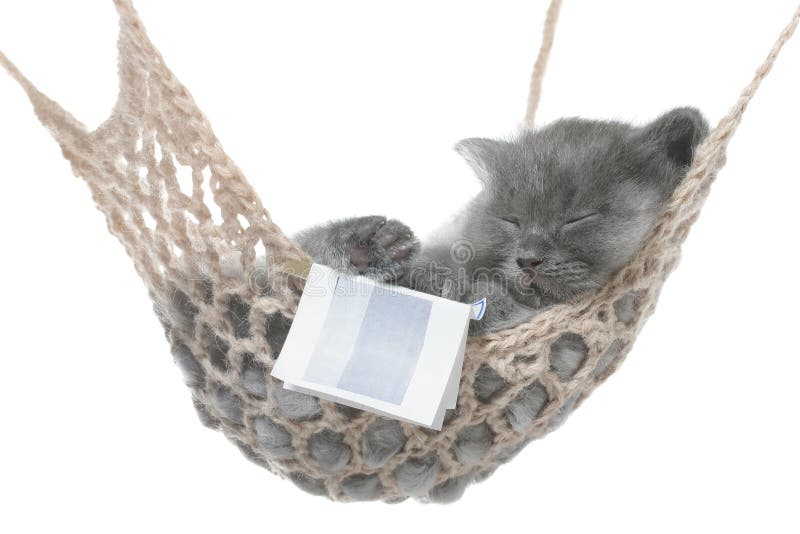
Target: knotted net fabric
x,y
194,228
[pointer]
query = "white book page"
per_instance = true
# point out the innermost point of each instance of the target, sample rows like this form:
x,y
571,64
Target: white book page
x,y
376,347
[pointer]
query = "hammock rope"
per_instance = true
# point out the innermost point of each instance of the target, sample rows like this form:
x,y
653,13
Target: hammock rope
x,y
184,236
540,66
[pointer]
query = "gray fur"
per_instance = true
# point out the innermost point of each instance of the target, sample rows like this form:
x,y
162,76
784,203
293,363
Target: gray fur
x,y
329,450
509,453
227,404
487,383
567,354
416,476
606,359
361,487
192,371
450,490
217,349
254,376
563,412
348,411
523,410
625,307
277,328
372,246
482,474
206,418
179,312
296,406
472,443
273,438
380,441
238,316
250,454
311,485
561,208
449,415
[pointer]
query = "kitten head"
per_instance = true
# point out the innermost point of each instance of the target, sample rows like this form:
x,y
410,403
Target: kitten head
x,y
566,205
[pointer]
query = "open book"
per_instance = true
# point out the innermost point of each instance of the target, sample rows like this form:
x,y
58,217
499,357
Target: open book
x,y
378,347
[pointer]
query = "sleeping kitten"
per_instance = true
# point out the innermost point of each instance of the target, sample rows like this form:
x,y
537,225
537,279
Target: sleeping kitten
x,y
561,208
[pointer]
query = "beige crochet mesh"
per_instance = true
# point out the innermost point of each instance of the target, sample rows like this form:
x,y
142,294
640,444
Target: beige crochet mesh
x,y
181,231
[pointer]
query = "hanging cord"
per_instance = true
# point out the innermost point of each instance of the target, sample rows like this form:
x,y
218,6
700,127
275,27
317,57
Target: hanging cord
x,y
539,68
710,156
727,126
60,122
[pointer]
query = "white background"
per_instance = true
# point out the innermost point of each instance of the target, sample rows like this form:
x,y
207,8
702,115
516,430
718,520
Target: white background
x,y
341,108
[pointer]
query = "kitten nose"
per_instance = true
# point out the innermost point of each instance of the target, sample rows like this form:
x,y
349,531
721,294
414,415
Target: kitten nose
x,y
528,263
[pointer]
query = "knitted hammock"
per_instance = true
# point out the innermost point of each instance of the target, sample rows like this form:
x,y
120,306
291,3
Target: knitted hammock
x,y
222,327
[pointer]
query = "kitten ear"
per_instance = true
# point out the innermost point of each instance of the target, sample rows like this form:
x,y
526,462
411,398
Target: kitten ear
x,y
676,134
481,154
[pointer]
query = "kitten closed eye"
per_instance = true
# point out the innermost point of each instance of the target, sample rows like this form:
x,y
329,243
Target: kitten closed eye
x,y
581,218
587,192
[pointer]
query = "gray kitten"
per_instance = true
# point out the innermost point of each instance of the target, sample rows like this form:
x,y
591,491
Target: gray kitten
x,y
561,208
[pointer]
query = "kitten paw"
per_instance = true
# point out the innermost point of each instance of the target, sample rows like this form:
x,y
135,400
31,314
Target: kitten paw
x,y
380,248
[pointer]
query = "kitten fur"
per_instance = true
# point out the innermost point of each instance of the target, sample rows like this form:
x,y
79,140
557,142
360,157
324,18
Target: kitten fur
x,y
561,209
